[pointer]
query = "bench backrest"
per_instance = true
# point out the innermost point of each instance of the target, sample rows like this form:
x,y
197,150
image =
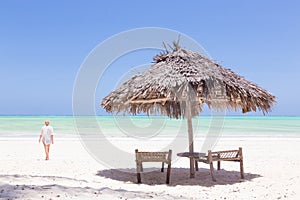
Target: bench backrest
x,y
229,155
153,156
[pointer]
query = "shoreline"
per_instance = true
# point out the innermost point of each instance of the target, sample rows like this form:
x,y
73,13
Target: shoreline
x,y
75,137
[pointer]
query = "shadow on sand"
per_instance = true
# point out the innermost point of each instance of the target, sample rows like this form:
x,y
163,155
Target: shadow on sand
x,y
179,176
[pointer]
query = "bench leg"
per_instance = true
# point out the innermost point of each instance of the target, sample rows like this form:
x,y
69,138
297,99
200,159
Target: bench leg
x,y
196,165
138,172
139,178
242,168
162,167
212,171
219,165
168,173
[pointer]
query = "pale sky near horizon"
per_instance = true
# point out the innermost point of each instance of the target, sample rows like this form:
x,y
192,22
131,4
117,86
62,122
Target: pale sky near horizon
x,y
44,43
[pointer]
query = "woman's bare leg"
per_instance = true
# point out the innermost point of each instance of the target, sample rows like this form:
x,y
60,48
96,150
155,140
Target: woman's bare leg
x,y
46,150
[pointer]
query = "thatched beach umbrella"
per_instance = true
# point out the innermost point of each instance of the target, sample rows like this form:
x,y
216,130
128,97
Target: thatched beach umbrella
x,y
179,83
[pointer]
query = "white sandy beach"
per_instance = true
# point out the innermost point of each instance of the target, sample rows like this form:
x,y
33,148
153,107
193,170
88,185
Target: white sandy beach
x,y
271,172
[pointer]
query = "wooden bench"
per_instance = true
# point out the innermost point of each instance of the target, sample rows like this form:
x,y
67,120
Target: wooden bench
x,y
229,155
163,157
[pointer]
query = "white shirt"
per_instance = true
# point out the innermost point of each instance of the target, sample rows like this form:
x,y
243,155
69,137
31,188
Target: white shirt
x,y
46,133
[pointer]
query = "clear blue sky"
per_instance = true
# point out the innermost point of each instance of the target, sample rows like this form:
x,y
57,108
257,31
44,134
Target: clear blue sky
x,y
43,43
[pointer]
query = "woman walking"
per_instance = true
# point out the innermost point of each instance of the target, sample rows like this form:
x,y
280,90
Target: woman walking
x,y
47,137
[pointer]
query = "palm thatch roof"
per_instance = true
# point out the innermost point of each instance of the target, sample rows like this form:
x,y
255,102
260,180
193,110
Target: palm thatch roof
x,y
179,76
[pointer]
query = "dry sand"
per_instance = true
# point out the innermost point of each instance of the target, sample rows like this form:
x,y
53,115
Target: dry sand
x,y
271,172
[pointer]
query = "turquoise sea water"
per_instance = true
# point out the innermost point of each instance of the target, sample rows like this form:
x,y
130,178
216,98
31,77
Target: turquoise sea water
x,y
142,126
